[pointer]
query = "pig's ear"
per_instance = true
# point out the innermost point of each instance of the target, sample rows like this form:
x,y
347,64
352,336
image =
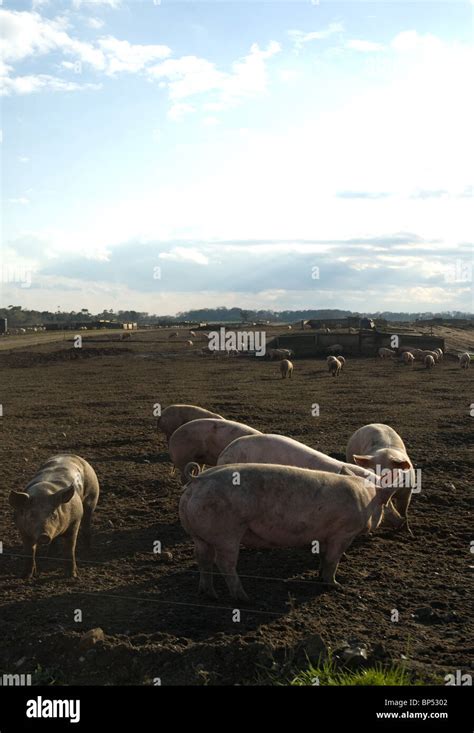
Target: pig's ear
x,y
18,499
404,465
364,461
65,495
346,471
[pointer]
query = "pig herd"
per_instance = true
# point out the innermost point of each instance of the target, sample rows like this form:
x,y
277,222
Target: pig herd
x,y
261,491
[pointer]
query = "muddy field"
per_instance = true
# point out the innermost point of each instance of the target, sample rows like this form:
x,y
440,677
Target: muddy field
x,y
98,402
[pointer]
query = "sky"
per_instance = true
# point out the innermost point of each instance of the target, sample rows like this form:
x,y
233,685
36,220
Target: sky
x,y
170,155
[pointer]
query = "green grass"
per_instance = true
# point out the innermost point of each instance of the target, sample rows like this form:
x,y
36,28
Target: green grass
x,y
328,674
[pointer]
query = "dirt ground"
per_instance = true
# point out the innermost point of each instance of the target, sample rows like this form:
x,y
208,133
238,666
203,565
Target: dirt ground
x,y
98,402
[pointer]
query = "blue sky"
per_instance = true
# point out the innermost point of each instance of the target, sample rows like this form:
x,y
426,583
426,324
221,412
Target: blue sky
x,y
231,148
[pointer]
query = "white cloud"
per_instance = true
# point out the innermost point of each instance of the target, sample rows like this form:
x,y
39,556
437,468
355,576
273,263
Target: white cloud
x,y
29,35
19,200
95,23
107,3
41,82
187,75
210,121
190,76
287,75
300,38
125,56
23,159
179,110
185,254
25,34
364,46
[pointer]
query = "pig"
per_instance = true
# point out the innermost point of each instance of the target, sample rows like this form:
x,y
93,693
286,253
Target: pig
x,y
204,440
379,447
428,361
334,366
280,450
174,416
434,354
439,352
274,506
126,335
279,353
408,358
61,495
342,361
386,353
465,360
286,368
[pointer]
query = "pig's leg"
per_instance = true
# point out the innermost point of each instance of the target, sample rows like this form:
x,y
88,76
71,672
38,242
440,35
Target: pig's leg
x,y
87,524
391,517
70,538
401,501
29,548
226,560
205,555
330,560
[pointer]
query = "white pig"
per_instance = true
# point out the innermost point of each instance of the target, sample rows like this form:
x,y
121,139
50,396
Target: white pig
x,y
174,416
378,447
280,450
274,506
204,440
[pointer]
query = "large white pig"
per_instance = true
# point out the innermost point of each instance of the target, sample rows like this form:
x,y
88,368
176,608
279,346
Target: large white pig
x,y
204,440
378,447
274,506
174,416
283,451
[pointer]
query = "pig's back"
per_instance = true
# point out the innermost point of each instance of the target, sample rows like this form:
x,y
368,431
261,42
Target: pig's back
x,y
61,471
272,488
373,437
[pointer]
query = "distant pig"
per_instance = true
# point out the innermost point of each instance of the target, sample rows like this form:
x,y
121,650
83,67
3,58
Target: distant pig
x,y
63,493
286,368
204,440
379,448
174,416
334,366
274,506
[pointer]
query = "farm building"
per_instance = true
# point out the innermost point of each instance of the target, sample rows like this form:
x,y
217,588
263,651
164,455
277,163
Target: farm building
x,y
365,343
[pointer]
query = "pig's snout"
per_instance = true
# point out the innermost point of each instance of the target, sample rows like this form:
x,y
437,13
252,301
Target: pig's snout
x,y
44,539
